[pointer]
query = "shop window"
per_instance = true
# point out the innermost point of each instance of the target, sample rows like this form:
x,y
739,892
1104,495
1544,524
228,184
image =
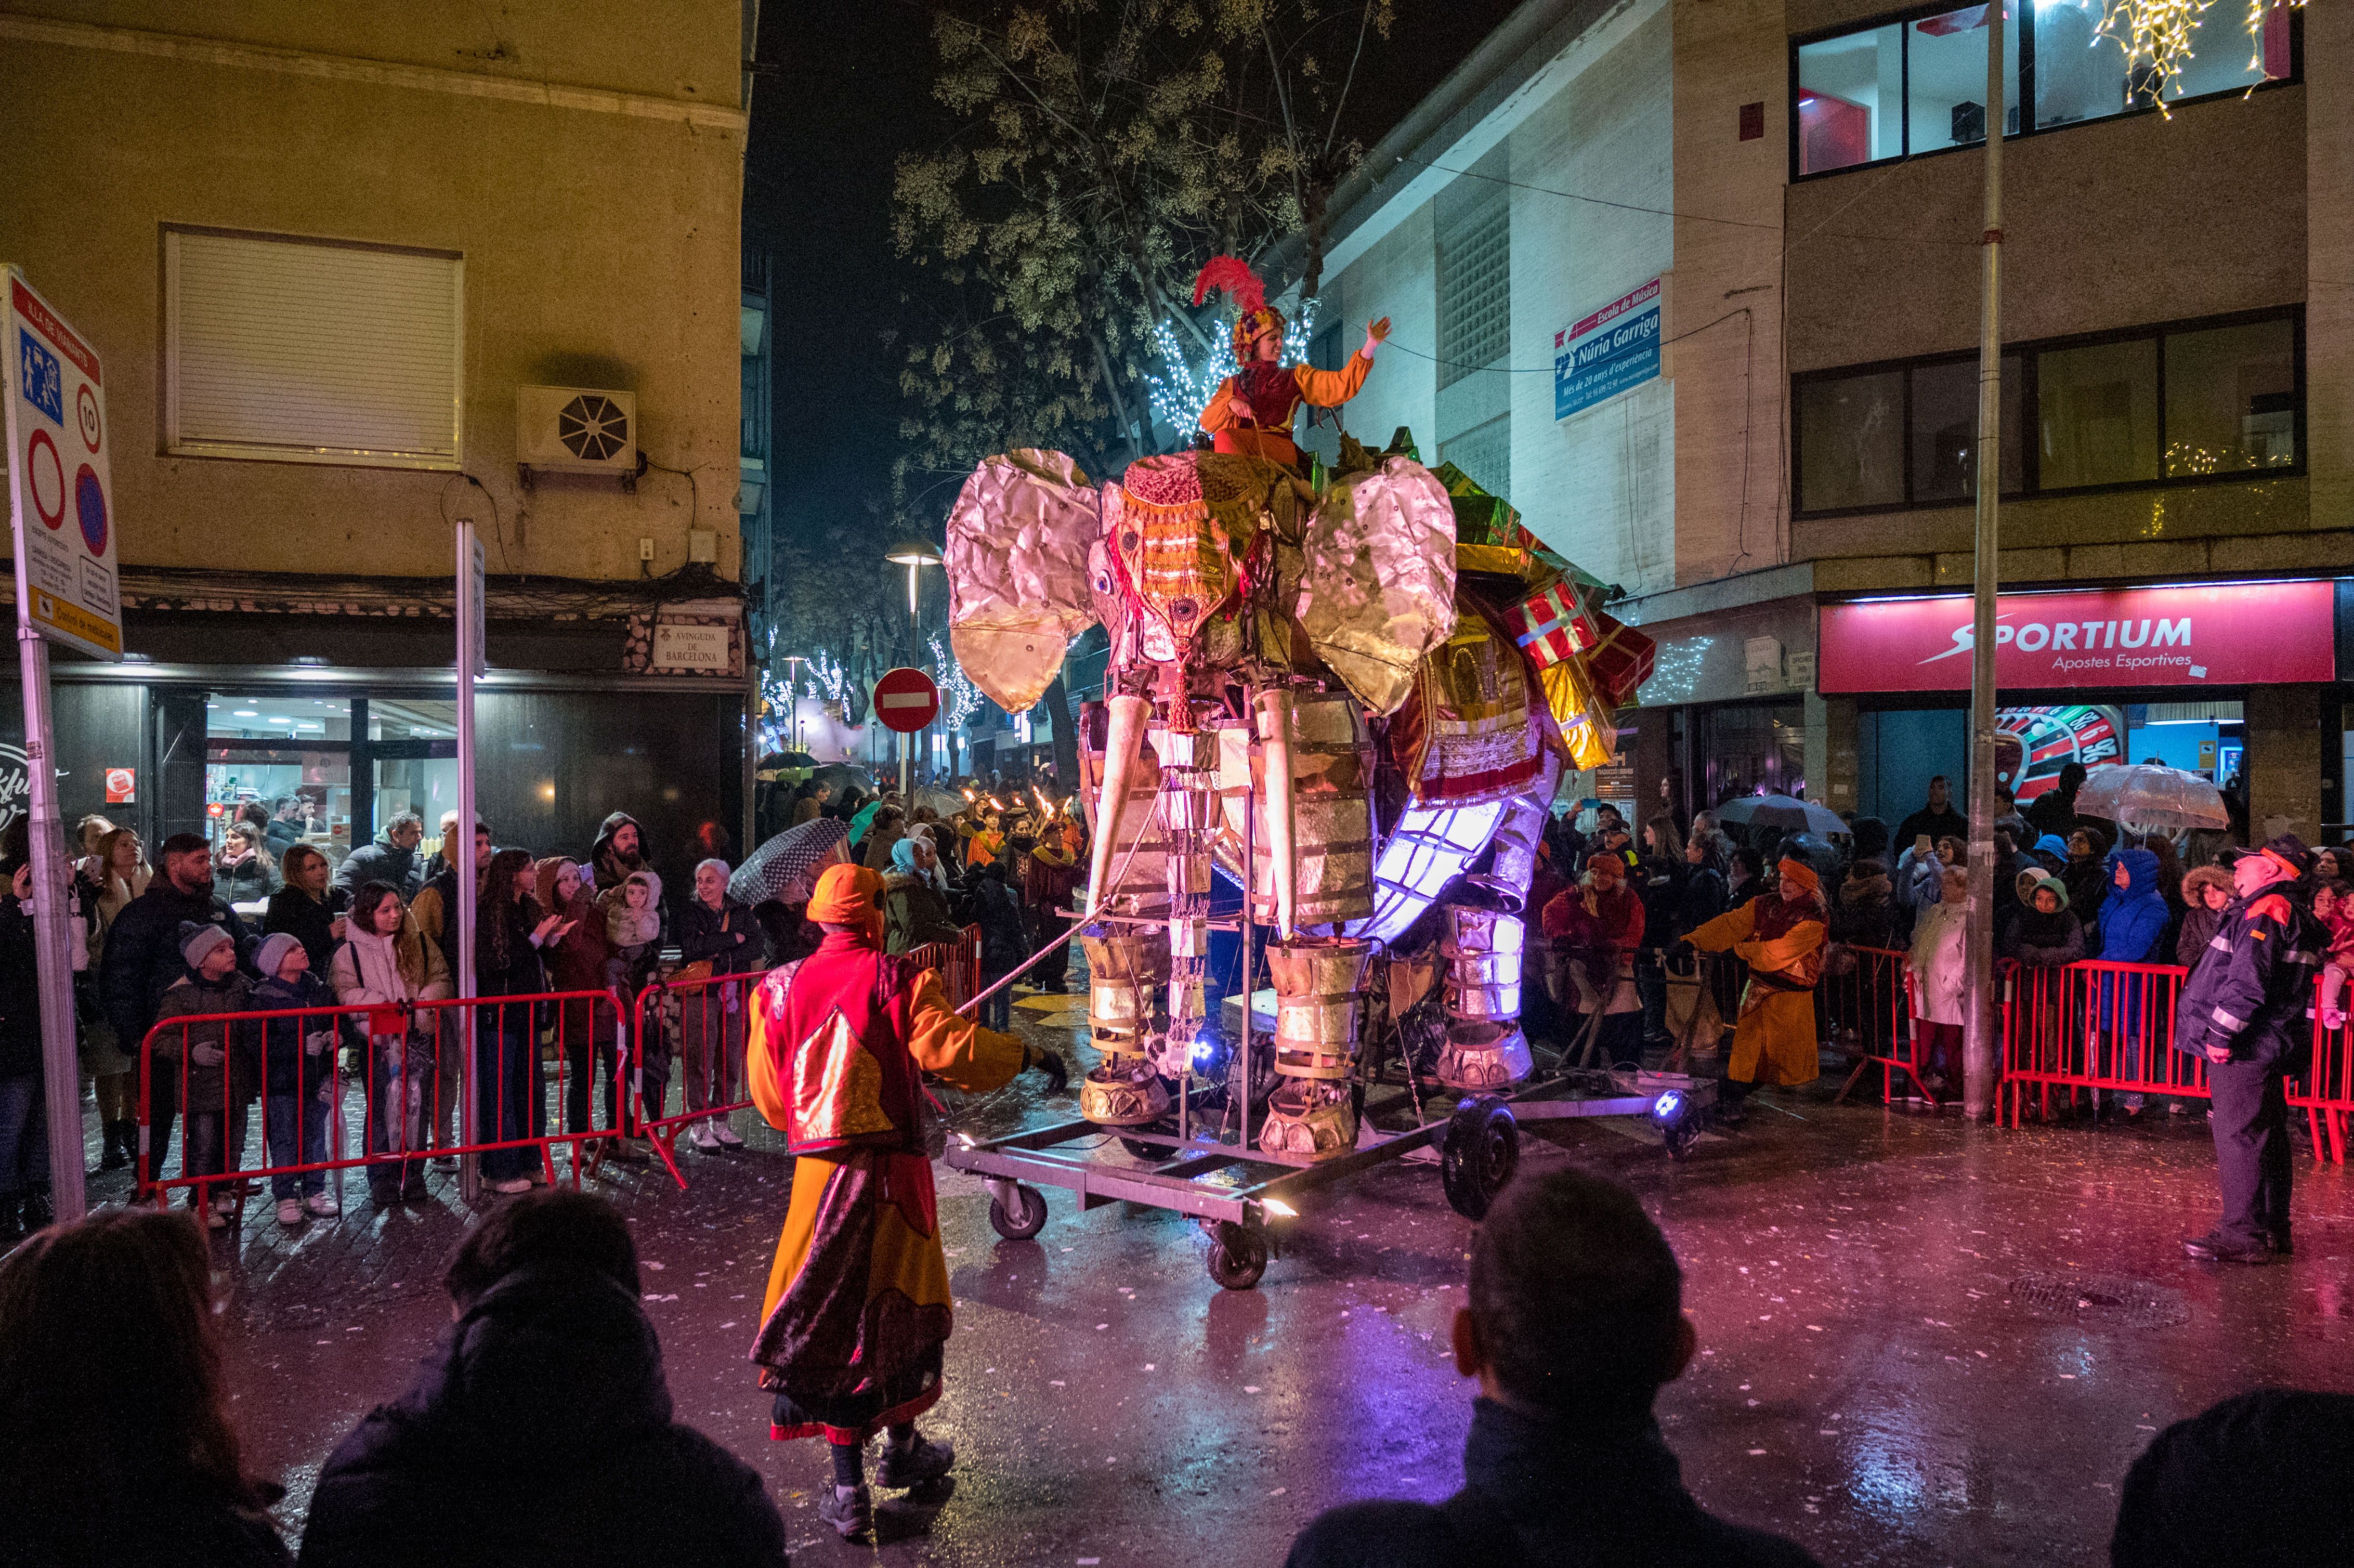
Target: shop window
x,y
1851,92
1753,751
288,755
2231,399
1945,80
1851,432
2097,414
1945,425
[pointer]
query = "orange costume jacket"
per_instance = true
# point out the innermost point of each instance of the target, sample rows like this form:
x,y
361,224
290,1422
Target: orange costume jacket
x,y
857,1310
1274,393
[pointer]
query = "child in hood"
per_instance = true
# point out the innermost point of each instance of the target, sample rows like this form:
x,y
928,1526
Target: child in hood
x,y
297,1074
218,1060
2132,925
632,910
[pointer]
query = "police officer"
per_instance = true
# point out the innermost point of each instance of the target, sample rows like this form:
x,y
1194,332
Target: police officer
x,y
2246,1008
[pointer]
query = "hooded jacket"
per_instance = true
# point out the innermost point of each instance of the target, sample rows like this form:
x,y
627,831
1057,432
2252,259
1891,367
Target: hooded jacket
x,y
607,870
551,1381
2199,923
192,995
2133,917
576,961
1866,914
2046,942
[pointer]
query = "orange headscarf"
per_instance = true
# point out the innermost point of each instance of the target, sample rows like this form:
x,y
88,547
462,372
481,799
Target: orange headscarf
x,y
1799,871
846,896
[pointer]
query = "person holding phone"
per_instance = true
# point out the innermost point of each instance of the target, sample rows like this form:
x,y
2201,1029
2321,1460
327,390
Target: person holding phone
x,y
1937,820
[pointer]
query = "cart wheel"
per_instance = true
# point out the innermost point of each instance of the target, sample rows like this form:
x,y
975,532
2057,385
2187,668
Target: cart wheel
x,y
1027,1221
1482,1148
1680,1136
1238,1255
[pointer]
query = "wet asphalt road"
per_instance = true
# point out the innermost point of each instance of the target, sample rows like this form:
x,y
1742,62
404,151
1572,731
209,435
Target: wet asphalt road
x,y
1883,1377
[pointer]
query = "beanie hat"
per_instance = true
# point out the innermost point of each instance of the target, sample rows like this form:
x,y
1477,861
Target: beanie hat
x,y
197,940
273,952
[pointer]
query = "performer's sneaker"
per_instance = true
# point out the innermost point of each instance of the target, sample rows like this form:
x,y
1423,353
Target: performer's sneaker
x,y
922,1460
851,1511
2216,1248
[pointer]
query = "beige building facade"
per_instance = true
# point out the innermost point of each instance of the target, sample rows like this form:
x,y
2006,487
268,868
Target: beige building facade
x,y
324,252
1804,181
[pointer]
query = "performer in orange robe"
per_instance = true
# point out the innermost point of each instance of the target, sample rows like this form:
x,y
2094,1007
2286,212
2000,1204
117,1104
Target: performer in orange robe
x,y
856,1318
1779,936
1251,411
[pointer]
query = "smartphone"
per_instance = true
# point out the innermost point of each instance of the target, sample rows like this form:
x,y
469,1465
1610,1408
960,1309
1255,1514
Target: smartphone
x,y
1921,844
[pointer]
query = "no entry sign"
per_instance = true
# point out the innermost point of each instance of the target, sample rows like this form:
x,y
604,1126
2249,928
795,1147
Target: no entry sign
x,y
906,700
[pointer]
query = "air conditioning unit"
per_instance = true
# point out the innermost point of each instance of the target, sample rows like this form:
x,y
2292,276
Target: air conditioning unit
x,y
577,429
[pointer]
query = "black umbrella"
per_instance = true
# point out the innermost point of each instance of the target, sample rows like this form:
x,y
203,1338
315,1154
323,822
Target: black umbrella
x,y
789,760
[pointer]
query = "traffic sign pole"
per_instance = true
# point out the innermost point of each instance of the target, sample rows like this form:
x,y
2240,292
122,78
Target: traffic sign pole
x,y
907,701
61,524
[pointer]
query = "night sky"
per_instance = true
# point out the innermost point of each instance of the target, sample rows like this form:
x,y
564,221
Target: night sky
x,y
852,93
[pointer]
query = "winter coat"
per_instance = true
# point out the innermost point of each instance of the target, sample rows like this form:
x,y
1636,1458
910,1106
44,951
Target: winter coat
x,y
192,994
1701,901
725,936
523,973
1939,971
576,960
628,928
1919,883
1865,916
435,910
369,970
1598,943
2133,917
2252,995
997,910
2200,924
2052,814
20,995
1050,875
2047,942
383,862
297,1053
915,912
307,921
2088,887
553,1383
248,881
1946,823
1628,1506
143,953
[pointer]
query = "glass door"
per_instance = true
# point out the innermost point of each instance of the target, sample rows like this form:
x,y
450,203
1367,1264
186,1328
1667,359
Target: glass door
x,y
283,765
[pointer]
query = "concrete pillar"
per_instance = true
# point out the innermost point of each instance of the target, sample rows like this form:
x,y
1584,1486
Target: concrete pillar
x,y
1654,758
2284,760
1831,752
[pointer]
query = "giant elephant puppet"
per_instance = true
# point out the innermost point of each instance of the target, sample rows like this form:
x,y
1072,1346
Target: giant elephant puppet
x,y
1380,676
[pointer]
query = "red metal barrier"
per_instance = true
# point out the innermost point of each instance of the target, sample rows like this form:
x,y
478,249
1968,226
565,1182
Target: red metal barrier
x,y
2093,1026
698,1026
690,1025
2325,1092
411,1058
1866,1006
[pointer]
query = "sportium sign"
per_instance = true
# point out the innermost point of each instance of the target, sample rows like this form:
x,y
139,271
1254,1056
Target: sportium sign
x,y
1615,348
2231,635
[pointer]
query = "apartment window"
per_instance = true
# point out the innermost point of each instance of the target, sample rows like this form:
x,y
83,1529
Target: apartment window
x,y
1485,452
311,351
1850,434
2096,414
1474,271
2182,402
1917,84
1944,422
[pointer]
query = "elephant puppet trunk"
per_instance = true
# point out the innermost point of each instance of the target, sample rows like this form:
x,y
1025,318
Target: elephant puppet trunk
x,y
1123,743
1283,862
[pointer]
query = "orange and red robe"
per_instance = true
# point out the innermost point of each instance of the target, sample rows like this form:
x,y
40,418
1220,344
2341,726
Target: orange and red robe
x,y
855,1321
1781,941
1274,393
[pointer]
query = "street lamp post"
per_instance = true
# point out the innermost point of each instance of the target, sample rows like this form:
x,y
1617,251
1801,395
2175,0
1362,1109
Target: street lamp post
x,y
915,555
794,663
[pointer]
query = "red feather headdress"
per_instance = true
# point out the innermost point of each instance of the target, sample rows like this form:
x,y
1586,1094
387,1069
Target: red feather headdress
x,y
1234,274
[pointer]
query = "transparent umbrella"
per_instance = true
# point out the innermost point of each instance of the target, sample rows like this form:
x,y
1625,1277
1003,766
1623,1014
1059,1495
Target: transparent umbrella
x,y
2146,794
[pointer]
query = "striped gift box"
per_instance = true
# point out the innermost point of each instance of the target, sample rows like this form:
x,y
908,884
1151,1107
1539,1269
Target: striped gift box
x,y
1557,622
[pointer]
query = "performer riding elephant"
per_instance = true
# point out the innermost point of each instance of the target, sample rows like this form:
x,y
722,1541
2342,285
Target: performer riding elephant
x,y
1252,410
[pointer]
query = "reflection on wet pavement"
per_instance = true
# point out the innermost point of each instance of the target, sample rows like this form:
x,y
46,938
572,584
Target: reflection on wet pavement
x,y
1870,1384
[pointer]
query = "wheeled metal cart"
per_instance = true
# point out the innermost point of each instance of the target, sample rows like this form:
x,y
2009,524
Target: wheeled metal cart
x,y
1235,1190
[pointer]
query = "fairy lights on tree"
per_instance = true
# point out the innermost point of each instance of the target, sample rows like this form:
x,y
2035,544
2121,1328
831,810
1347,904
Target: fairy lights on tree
x,y
959,698
1180,393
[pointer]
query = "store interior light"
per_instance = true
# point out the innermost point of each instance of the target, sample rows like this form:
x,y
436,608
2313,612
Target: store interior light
x,y
246,713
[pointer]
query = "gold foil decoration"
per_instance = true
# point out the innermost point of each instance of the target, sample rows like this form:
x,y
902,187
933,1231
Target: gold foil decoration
x,y
1377,591
1019,587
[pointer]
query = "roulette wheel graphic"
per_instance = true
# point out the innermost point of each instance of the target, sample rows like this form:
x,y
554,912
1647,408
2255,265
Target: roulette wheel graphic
x,y
2032,745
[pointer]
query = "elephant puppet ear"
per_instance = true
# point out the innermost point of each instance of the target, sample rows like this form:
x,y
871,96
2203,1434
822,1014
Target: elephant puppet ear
x,y
1017,560
1378,590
